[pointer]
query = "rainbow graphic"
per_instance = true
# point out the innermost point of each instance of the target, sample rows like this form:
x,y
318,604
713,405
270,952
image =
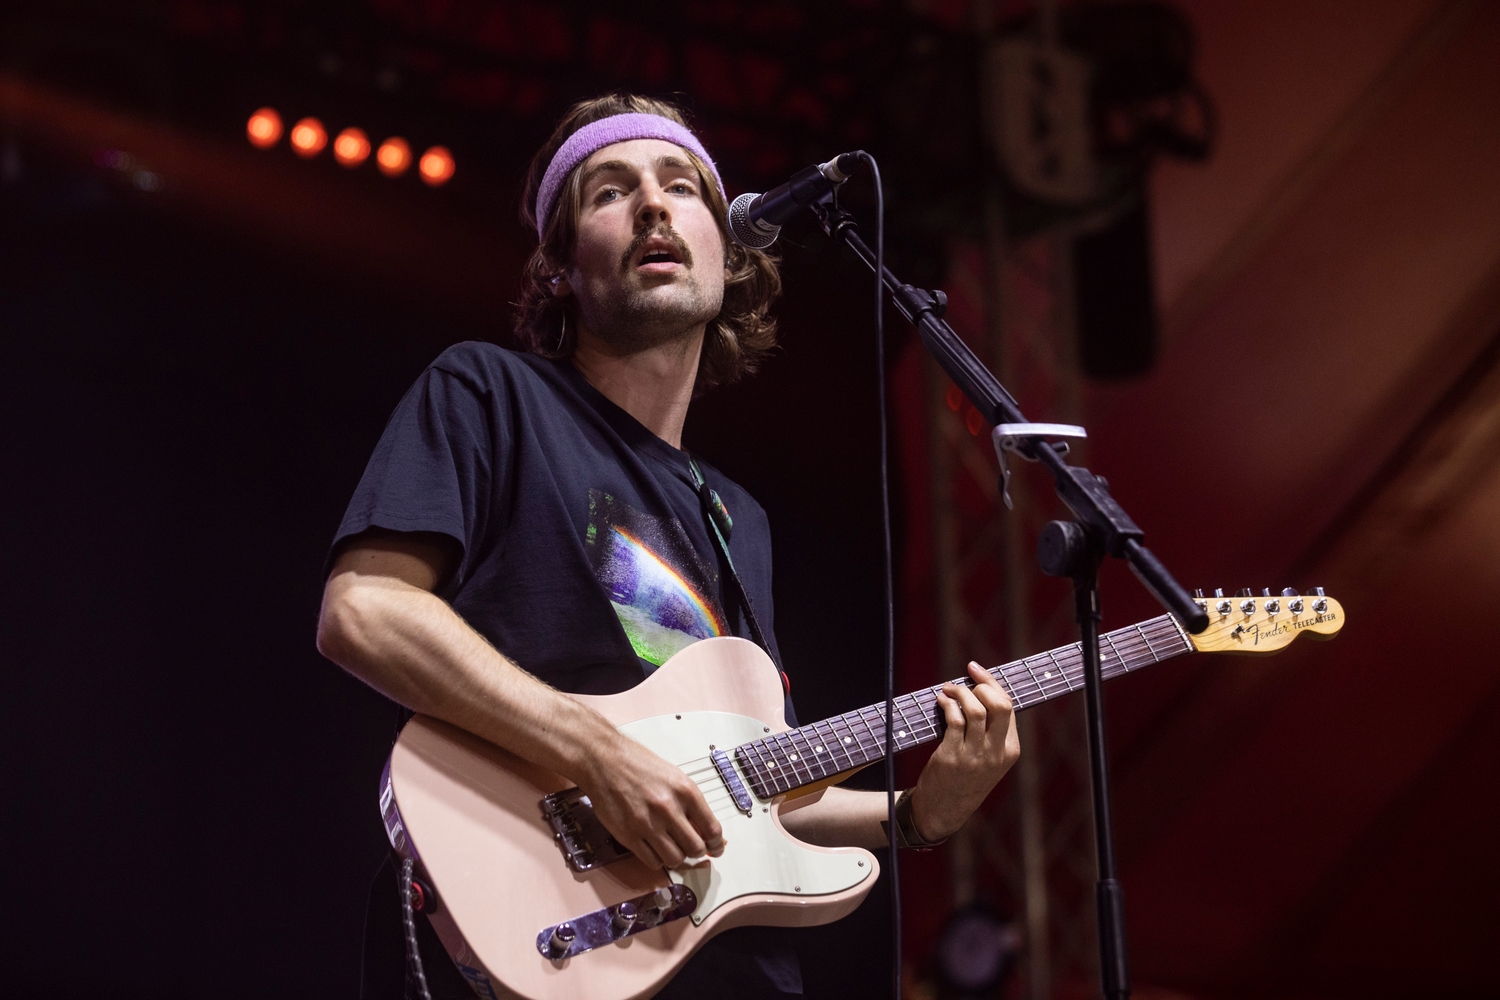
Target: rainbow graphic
x,y
660,610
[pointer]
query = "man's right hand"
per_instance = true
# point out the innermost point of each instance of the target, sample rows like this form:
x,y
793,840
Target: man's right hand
x,y
383,624
652,807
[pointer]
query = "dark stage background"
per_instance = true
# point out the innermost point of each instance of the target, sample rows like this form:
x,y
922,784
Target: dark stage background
x,y
194,785
1292,377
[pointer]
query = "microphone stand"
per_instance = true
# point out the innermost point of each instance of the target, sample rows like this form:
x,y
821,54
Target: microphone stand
x,y
1073,548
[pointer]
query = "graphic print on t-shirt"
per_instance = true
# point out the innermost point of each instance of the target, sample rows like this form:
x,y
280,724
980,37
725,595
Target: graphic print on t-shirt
x,y
656,581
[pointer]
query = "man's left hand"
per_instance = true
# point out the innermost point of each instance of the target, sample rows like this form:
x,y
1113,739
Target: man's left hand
x,y
979,747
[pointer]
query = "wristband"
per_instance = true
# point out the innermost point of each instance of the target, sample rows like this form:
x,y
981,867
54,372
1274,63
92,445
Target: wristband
x,y
907,834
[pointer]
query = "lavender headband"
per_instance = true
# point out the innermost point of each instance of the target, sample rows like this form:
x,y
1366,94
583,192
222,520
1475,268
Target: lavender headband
x,y
606,132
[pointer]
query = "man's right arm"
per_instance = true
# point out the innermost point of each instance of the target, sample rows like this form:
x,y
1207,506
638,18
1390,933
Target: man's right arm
x,y
382,622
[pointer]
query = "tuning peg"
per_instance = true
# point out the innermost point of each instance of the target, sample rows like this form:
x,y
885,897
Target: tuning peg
x,y
1223,606
1318,592
1248,607
1288,591
1198,593
1321,604
1218,591
1272,604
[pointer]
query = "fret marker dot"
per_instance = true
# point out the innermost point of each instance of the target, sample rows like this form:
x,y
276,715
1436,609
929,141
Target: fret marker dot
x,y
817,749
1047,674
793,757
900,732
771,766
848,740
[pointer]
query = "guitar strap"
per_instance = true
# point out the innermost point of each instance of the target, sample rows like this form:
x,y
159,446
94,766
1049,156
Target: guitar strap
x,y
721,525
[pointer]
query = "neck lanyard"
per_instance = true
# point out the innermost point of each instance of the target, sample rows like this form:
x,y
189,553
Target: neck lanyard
x,y
720,525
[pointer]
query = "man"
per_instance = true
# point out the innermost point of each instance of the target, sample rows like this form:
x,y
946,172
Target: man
x,y
529,525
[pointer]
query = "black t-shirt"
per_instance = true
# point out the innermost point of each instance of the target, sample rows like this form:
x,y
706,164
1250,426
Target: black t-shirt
x,y
586,557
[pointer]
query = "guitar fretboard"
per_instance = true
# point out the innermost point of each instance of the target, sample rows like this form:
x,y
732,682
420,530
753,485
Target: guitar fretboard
x,y
798,757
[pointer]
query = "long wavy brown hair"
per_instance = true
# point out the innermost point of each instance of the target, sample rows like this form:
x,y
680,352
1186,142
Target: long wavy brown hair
x,y
737,339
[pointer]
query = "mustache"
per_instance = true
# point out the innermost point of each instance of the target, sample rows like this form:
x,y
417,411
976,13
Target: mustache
x,y
666,232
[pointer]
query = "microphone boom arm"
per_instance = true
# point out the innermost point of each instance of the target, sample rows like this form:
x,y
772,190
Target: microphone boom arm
x,y
1084,493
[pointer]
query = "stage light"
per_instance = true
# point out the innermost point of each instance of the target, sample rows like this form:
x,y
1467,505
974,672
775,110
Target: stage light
x,y
309,137
351,148
393,156
264,128
436,166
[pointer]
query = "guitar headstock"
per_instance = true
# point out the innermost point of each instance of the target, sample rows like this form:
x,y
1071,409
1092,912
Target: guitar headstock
x,y
1253,625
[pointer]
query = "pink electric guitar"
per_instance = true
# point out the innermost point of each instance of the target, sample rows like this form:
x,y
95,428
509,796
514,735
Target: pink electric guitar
x,y
532,897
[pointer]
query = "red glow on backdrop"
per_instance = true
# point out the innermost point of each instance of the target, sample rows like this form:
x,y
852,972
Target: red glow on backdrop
x,y
393,156
436,166
309,137
264,128
351,148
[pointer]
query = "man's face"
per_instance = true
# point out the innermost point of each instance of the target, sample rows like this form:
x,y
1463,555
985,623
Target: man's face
x,y
648,267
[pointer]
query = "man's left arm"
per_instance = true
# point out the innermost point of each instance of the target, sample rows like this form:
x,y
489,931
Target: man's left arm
x,y
979,746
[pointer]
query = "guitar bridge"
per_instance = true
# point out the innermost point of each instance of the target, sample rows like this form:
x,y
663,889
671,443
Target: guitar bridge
x,y
614,923
580,836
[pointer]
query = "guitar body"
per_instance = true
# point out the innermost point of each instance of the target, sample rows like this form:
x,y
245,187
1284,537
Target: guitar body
x,y
470,814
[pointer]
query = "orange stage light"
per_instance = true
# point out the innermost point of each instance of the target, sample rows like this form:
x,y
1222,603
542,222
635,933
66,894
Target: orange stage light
x,y
436,166
264,128
309,137
351,148
393,156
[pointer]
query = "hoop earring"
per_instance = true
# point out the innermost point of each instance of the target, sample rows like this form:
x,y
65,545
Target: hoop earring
x,y
563,333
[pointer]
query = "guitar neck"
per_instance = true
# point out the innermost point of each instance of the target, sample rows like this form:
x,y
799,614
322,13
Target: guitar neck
x,y
798,757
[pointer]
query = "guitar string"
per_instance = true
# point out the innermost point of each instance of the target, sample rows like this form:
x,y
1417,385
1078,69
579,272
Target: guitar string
x,y
1141,651
925,699
1069,669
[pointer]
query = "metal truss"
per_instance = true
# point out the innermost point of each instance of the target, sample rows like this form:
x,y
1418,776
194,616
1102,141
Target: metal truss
x,y
1031,849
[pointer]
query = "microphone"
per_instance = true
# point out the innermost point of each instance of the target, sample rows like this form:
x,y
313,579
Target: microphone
x,y
755,220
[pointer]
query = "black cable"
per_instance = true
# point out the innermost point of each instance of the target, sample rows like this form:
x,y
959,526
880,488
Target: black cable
x,y
414,971
890,595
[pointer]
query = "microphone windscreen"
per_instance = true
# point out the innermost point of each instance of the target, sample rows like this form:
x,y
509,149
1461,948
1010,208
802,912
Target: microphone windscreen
x,y
747,233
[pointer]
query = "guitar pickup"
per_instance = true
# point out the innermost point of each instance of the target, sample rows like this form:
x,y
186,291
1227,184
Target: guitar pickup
x,y
580,836
731,779
614,923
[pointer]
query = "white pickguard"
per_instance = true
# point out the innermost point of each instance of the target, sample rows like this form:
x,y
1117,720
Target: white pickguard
x,y
758,856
